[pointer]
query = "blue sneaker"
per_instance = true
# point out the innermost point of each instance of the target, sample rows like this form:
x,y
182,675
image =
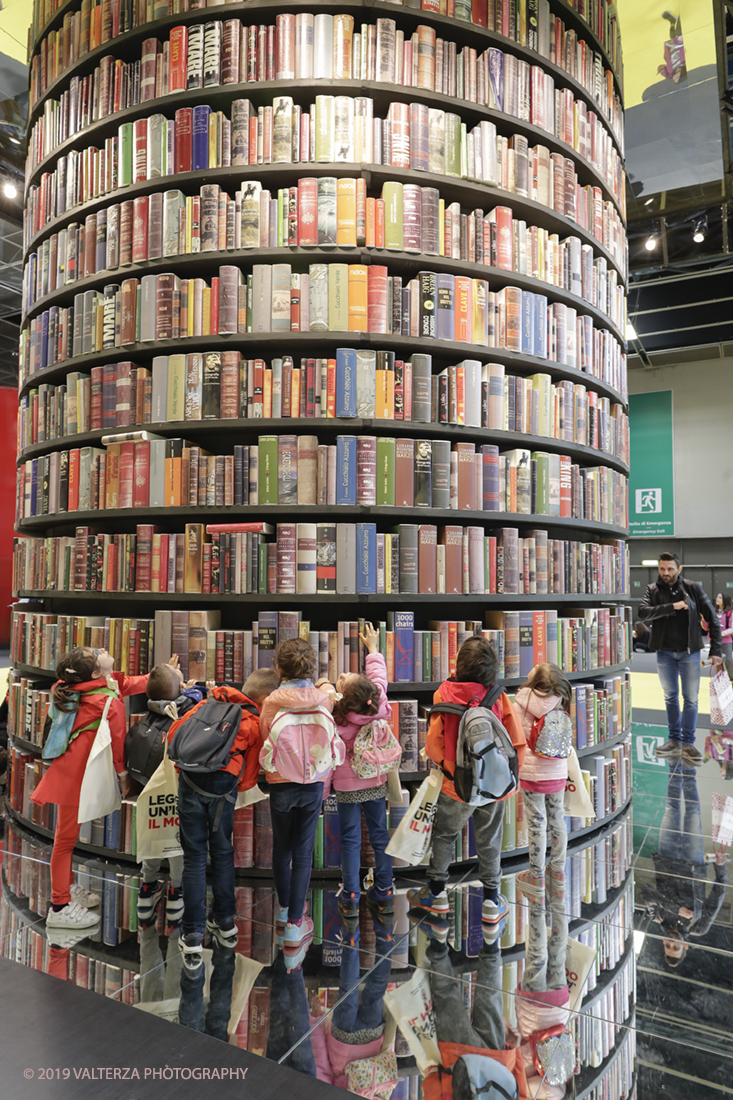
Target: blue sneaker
x,y
381,901
493,912
435,928
431,903
493,932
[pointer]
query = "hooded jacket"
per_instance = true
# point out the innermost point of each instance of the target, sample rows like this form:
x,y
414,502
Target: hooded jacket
x,y
657,605
438,1084
442,739
287,697
247,743
344,777
538,773
62,782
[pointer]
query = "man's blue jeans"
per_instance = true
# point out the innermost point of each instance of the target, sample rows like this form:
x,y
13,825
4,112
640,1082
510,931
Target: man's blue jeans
x,y
375,814
680,839
675,669
196,815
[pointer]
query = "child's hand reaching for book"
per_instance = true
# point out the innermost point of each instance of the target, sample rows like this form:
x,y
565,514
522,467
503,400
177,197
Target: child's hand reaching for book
x,y
175,661
370,638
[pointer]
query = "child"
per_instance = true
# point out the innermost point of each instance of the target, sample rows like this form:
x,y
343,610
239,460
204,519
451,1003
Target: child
x,y
165,687
86,679
476,669
542,780
294,807
363,698
206,819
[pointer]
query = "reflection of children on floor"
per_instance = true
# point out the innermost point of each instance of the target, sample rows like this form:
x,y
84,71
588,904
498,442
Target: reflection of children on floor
x,y
680,902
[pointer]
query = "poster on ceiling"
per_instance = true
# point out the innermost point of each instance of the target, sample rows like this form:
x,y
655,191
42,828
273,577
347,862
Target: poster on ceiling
x,y
672,123
651,477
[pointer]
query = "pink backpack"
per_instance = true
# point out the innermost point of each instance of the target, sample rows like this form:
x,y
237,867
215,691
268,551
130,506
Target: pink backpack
x,y
303,746
375,751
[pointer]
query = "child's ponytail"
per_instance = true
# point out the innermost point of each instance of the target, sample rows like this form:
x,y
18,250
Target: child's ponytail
x,y
547,679
76,667
360,695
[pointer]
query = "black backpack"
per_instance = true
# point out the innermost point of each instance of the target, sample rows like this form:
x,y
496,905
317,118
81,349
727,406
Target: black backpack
x,y
144,745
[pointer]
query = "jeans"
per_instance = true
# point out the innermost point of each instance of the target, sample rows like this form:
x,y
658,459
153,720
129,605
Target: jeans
x,y
289,1020
375,814
678,840
191,1008
451,1016
675,669
196,815
488,826
352,1012
294,811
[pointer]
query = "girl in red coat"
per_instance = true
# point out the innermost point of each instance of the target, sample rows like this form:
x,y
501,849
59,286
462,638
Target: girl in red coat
x,y
85,677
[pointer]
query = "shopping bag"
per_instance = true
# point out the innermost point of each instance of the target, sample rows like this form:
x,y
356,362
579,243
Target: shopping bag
x,y
394,789
100,789
157,813
577,800
721,696
411,838
579,959
722,812
411,1006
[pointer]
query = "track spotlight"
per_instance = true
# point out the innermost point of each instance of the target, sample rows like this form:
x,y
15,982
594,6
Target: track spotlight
x,y
10,191
651,243
700,228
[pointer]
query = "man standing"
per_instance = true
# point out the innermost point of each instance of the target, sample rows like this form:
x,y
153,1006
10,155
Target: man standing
x,y
673,607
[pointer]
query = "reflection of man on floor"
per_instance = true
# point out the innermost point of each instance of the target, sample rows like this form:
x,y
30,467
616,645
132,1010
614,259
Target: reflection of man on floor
x,y
679,902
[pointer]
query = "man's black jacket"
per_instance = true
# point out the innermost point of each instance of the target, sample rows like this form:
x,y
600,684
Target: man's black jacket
x,y
658,604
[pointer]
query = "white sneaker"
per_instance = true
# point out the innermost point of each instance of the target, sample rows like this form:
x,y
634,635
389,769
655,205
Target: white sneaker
x,y
72,915
86,898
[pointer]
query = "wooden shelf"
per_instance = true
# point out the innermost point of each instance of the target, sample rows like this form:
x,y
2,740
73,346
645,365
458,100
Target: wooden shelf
x,y
389,515
342,600
459,31
221,96
471,194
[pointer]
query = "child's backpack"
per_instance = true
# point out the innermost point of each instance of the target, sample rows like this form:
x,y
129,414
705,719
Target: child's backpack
x,y
552,735
144,741
375,751
202,739
303,746
488,1078
62,725
375,1077
487,768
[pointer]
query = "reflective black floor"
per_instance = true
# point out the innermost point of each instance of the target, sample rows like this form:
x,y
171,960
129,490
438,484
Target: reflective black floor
x,y
649,914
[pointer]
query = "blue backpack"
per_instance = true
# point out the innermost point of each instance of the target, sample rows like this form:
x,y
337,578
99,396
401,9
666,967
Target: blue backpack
x,y
62,731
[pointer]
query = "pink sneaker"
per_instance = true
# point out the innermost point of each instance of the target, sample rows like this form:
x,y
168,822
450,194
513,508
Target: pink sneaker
x,y
296,934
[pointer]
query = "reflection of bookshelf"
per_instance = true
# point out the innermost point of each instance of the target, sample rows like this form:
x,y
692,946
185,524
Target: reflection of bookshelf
x,y
603,240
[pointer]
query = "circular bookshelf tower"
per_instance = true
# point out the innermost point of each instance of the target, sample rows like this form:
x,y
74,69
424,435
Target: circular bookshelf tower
x,y
323,321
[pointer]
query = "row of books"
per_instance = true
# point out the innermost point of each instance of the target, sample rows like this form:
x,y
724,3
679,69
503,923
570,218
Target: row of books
x,y
157,148
324,46
597,1028
529,24
355,470
337,298
609,936
416,650
619,1079
472,394
341,129
324,212
355,382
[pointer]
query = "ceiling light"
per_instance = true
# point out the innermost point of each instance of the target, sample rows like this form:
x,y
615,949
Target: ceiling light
x,y
700,228
15,140
630,331
649,201
650,243
10,191
650,561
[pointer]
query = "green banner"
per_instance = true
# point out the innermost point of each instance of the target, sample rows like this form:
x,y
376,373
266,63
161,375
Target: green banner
x,y
651,481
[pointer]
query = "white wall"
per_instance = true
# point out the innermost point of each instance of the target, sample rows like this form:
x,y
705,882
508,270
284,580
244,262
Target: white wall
x,y
702,410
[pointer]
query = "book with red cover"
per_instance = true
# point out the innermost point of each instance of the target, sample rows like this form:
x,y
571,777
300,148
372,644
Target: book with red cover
x,y
177,59
127,466
233,528
144,555
183,142
141,470
452,539
229,385
377,298
74,464
308,211
96,398
140,229
164,306
466,453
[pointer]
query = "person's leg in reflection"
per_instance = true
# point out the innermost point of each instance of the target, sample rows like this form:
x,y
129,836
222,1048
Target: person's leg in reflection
x,y
365,1012
152,971
488,1005
451,1016
58,963
191,1008
220,992
670,831
692,846
289,1019
535,967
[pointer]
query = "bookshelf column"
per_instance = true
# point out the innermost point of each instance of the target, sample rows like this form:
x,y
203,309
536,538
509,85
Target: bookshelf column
x,y
324,315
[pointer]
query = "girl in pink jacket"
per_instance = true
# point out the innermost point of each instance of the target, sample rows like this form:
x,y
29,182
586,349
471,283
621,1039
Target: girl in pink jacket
x,y
362,699
542,780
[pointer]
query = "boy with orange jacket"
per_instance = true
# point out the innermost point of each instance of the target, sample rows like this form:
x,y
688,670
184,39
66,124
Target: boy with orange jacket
x,y
476,670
